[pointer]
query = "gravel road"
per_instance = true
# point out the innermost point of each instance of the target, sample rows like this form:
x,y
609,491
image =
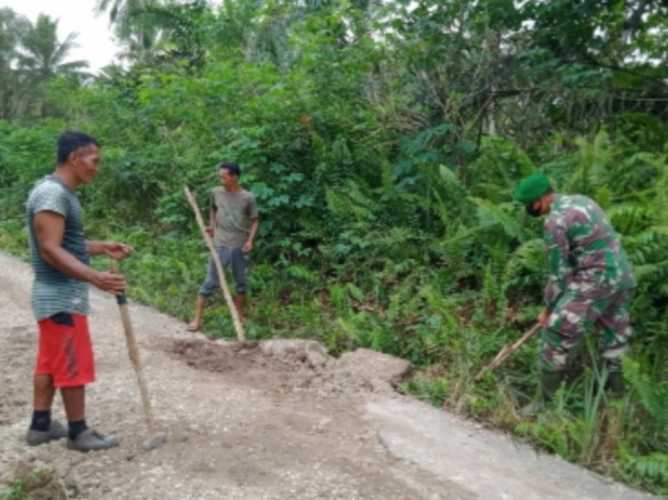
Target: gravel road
x,y
271,420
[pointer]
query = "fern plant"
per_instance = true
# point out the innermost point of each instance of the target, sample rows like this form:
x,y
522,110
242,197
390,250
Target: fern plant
x,y
652,395
652,468
524,267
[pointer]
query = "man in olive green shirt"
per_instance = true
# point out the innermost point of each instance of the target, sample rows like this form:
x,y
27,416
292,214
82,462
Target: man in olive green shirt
x,y
233,223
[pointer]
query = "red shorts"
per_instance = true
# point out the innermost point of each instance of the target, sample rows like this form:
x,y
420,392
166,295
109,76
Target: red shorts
x,y
65,350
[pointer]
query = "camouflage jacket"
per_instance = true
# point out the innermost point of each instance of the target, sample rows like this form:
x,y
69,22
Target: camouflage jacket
x,y
582,249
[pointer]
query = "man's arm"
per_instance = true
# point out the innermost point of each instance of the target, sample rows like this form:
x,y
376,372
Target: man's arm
x,y
557,249
212,220
49,230
248,246
111,249
212,214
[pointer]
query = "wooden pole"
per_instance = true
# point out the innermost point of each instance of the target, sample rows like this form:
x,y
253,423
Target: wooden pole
x,y
133,353
507,351
238,326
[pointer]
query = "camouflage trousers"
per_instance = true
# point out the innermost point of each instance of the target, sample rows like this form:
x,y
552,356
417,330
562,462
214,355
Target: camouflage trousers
x,y
579,311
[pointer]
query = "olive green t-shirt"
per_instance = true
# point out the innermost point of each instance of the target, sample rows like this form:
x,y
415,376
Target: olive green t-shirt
x,y
235,211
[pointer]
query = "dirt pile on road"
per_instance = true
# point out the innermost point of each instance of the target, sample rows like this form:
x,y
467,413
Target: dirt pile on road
x,y
294,365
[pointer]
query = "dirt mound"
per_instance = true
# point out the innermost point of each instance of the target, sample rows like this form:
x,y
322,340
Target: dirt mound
x,y
293,364
248,364
214,357
308,352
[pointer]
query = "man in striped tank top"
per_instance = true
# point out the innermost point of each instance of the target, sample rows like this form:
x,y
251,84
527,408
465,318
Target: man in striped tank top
x,y
61,262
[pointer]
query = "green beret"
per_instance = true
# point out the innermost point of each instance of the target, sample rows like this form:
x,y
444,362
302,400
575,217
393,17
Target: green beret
x,y
531,188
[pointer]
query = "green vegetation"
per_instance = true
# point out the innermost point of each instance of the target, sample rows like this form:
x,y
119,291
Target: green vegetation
x,y
383,140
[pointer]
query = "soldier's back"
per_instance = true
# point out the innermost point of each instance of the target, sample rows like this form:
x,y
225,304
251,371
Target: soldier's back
x,y
595,247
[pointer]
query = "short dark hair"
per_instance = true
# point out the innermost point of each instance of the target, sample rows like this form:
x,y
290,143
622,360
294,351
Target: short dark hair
x,y
70,141
232,168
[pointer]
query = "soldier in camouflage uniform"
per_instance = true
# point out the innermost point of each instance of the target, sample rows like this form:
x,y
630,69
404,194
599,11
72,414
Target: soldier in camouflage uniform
x,y
590,281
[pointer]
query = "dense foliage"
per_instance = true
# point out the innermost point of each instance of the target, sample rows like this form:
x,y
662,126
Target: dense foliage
x,y
382,140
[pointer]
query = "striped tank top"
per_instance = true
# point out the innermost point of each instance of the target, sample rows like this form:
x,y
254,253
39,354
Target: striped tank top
x,y
52,290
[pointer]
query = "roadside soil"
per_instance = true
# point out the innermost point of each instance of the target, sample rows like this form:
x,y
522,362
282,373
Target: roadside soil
x,y
277,419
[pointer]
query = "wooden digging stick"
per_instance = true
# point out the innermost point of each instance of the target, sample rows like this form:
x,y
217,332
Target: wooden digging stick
x,y
241,335
133,353
507,351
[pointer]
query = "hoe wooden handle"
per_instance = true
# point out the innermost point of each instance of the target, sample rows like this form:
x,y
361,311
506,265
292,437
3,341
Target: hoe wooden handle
x,y
507,351
133,352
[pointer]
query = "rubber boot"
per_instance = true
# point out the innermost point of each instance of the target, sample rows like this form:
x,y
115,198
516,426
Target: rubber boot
x,y
615,384
549,384
240,304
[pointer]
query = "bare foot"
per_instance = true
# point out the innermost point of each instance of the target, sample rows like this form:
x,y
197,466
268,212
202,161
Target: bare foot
x,y
194,326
